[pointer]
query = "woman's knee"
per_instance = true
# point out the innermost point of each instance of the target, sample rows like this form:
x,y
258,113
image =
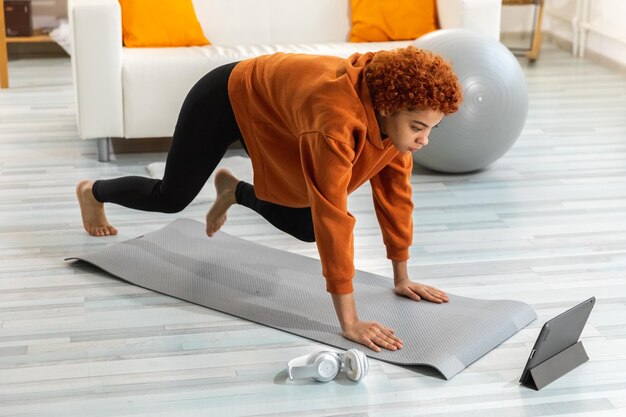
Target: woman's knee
x,y
174,205
306,234
307,237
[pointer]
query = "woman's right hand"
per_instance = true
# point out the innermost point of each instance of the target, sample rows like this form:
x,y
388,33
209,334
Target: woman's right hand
x,y
368,333
373,335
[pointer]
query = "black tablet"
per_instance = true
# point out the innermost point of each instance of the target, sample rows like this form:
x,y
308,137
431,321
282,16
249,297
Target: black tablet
x,y
558,334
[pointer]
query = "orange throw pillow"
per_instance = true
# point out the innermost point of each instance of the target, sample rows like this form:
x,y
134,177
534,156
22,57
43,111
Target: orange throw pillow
x,y
391,20
158,23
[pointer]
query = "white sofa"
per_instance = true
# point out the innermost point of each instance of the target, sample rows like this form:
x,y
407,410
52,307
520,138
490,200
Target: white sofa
x,y
137,92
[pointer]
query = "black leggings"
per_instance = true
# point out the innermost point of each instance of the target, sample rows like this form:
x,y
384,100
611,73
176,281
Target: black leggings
x,y
206,127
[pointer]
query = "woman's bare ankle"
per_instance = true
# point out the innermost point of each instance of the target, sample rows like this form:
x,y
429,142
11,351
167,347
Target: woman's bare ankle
x,y
225,185
92,211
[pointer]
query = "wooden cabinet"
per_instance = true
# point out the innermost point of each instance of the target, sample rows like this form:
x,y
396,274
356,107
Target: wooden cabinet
x,y
532,52
4,40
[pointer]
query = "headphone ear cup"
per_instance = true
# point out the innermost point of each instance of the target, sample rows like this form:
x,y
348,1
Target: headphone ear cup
x,y
328,365
355,364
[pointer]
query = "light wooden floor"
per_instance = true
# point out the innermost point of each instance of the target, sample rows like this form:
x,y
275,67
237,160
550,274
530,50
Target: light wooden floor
x,y
546,225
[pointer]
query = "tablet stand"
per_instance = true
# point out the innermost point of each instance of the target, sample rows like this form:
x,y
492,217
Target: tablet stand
x,y
552,369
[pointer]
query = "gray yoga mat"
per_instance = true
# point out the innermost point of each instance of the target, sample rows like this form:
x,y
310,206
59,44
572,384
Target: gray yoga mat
x,y
287,292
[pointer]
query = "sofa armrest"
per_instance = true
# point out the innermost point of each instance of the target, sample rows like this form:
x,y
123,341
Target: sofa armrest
x,y
479,15
96,30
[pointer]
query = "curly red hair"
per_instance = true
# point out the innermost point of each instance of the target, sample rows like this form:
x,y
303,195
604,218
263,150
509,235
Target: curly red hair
x,y
412,79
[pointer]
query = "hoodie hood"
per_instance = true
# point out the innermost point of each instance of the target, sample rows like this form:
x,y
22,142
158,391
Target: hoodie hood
x,y
354,69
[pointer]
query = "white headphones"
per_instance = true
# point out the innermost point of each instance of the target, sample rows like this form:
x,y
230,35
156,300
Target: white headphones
x,y
326,365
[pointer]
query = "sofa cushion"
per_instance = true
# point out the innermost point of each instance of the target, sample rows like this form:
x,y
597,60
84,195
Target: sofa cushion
x,y
156,80
237,22
147,23
387,20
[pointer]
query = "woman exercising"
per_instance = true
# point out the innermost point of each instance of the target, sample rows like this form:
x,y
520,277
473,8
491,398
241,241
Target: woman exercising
x,y
316,128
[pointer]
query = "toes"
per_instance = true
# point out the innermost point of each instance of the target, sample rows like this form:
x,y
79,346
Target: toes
x,y
101,231
214,226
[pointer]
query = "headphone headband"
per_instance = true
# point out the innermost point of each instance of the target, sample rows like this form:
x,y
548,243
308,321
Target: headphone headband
x,y
324,366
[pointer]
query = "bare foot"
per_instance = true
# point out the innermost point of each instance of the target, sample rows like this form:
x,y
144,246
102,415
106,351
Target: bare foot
x,y
92,211
225,185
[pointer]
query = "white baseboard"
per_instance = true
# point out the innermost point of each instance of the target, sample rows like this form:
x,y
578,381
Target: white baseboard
x,y
592,55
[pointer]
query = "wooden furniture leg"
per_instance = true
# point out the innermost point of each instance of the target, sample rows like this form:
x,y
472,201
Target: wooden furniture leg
x,y
4,59
533,54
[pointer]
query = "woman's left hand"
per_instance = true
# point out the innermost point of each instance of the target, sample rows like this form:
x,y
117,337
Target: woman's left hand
x,y
416,291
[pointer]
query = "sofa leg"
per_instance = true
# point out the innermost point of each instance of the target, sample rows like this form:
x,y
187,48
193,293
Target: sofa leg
x,y
104,144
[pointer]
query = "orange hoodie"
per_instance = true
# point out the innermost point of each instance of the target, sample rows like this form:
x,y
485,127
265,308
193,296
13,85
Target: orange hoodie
x,y
313,138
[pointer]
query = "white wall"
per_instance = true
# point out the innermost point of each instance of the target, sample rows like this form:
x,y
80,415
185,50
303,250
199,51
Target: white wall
x,y
47,13
606,29
517,19
562,18
600,29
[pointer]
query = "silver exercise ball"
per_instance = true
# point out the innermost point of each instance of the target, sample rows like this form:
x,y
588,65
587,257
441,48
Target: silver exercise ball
x,y
494,108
